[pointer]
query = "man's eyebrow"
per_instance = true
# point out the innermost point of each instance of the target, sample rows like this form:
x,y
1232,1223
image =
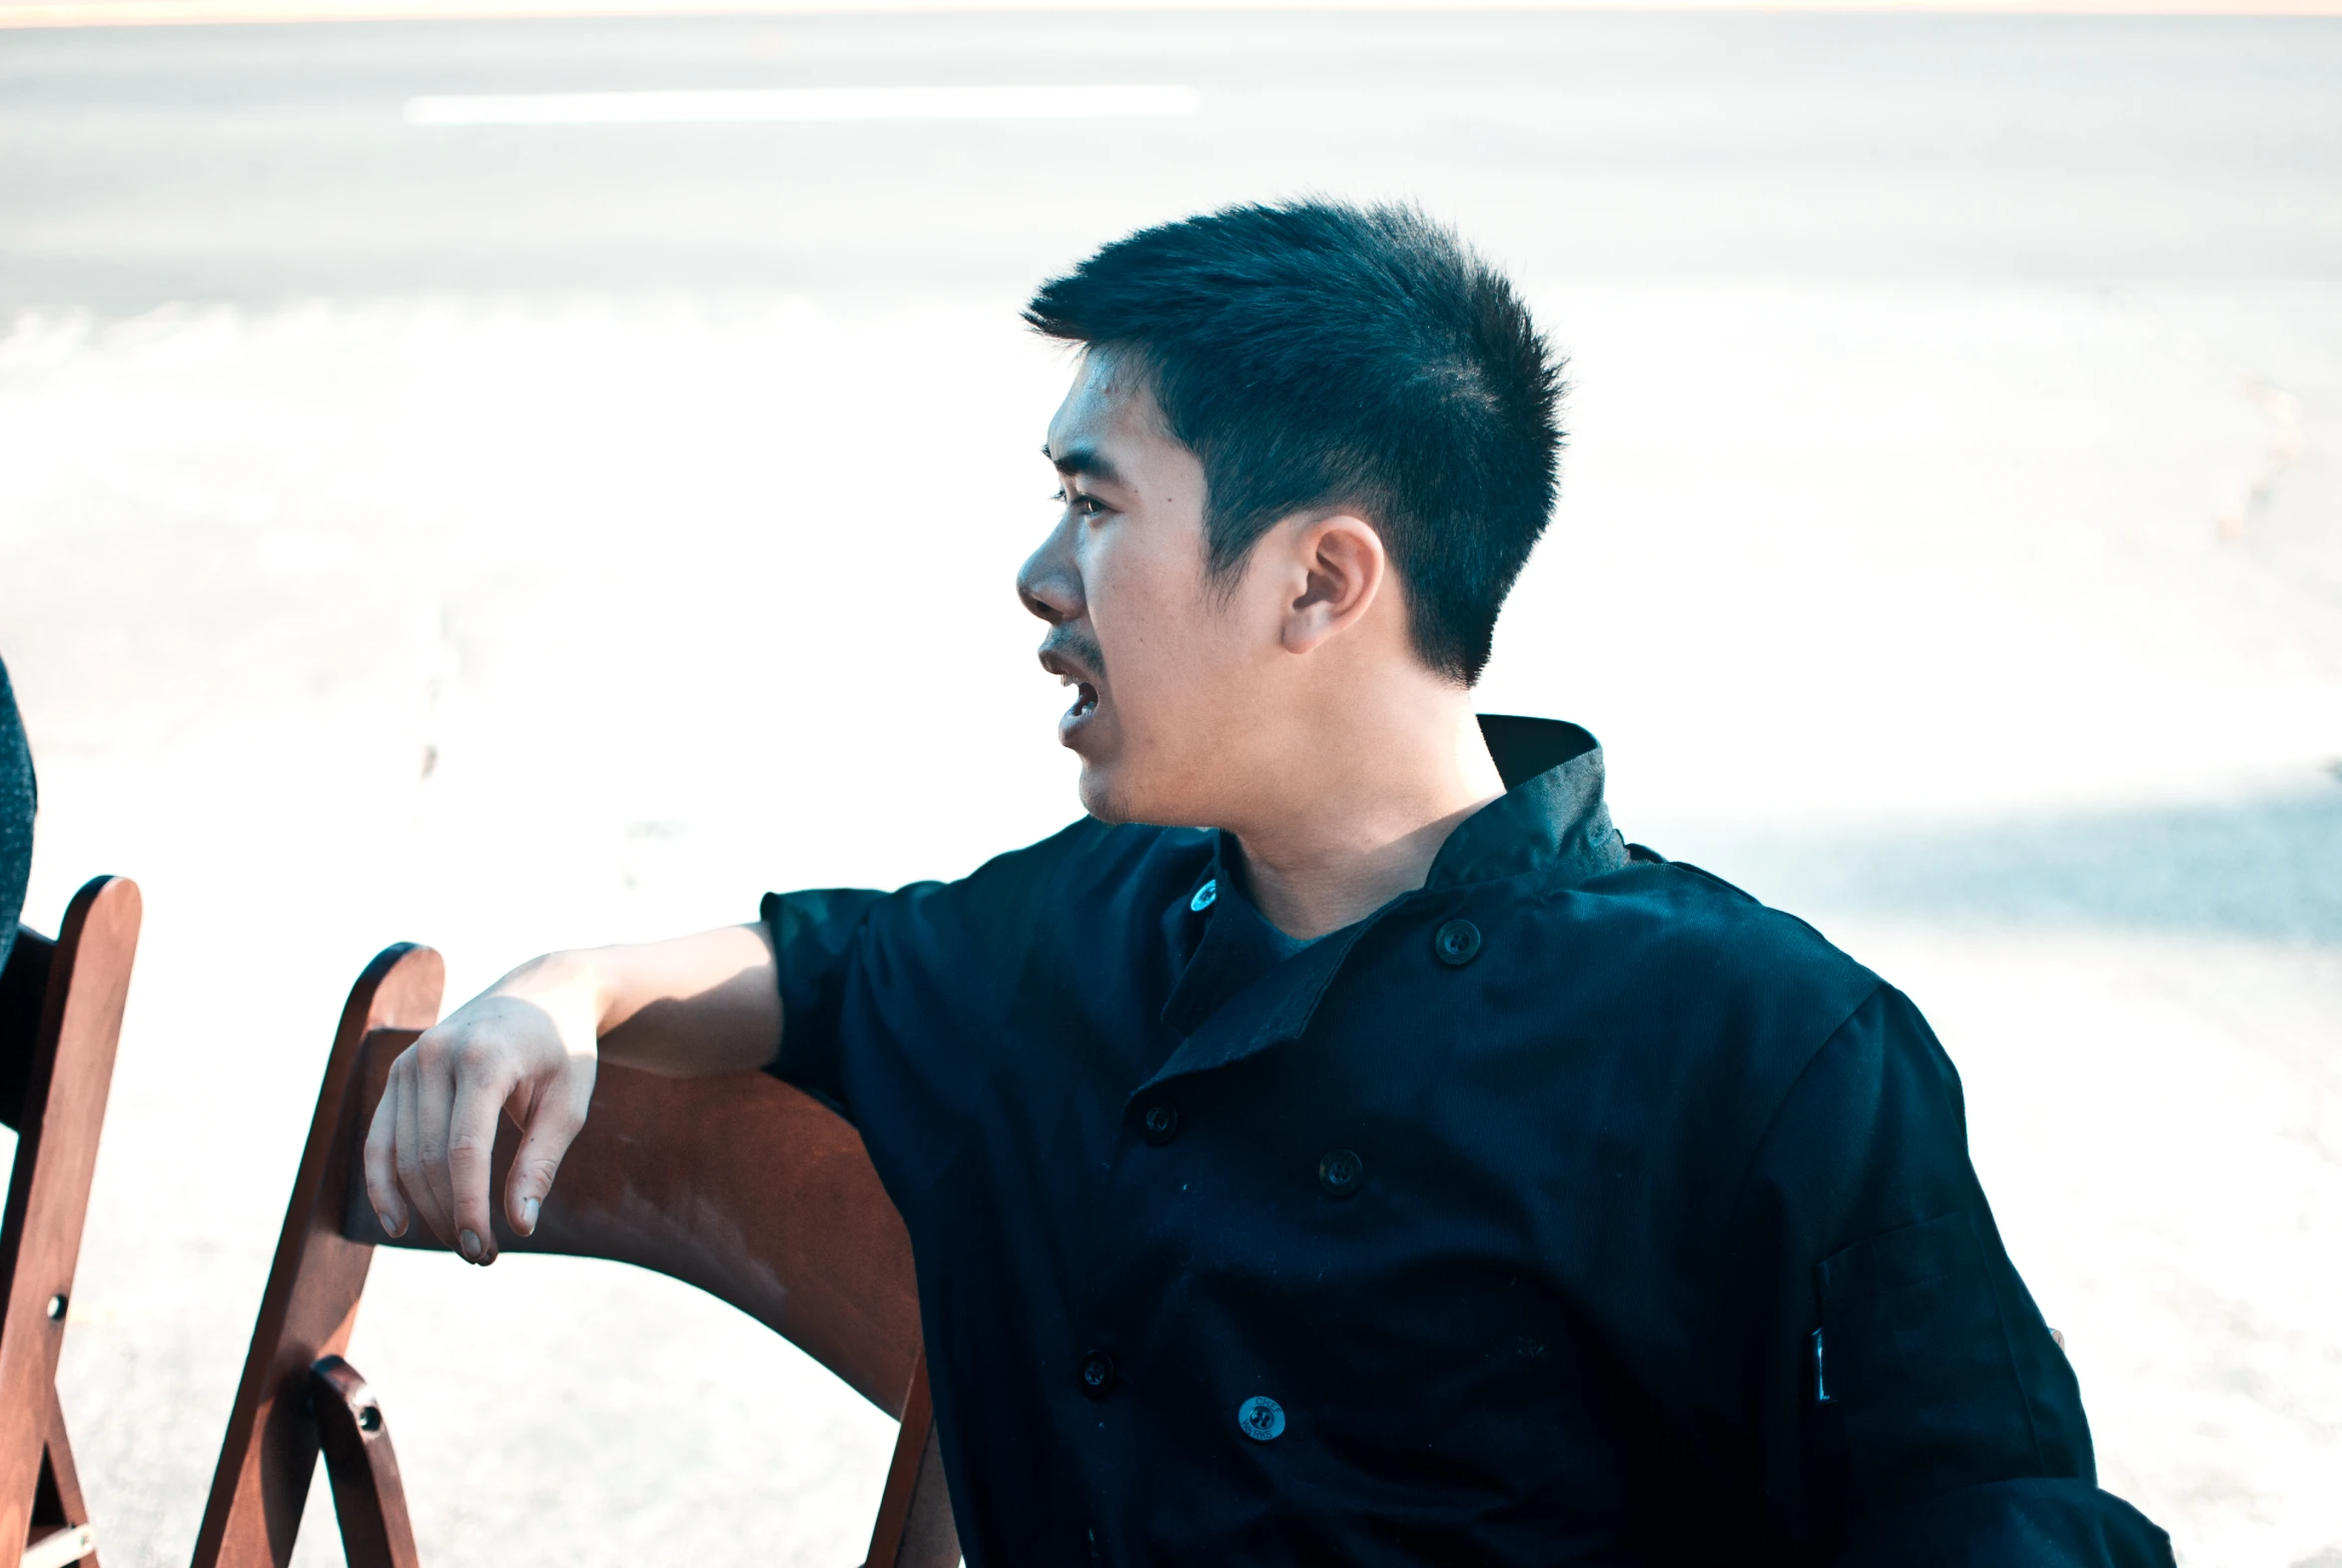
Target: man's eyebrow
x,y
1083,459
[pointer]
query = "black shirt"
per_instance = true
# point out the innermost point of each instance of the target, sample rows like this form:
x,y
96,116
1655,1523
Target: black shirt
x,y
1573,1208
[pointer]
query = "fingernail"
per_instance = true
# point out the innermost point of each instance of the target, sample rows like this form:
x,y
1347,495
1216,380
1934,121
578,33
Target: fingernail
x,y
469,1246
529,1207
390,1227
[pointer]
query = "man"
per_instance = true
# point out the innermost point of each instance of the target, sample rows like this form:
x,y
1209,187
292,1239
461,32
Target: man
x,y
19,795
1400,1168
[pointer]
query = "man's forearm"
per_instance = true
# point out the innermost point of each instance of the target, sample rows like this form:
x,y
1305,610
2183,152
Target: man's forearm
x,y
530,1044
684,1008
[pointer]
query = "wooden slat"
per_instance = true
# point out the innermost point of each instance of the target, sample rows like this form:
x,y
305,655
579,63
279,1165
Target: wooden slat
x,y
740,1184
57,1502
915,1527
369,1495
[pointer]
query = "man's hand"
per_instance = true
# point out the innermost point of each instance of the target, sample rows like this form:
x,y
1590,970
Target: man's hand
x,y
531,1044
528,1046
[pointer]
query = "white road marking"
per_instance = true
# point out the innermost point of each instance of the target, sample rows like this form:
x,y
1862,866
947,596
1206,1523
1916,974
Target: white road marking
x,y
733,106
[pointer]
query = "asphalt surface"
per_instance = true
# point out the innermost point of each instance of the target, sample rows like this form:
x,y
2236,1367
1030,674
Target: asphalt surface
x,y
262,164
519,536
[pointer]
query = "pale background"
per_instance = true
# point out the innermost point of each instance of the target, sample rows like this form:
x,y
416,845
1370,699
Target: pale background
x,y
509,537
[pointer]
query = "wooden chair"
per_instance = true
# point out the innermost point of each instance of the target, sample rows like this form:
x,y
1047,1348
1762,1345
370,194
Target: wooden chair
x,y
60,1018
739,1185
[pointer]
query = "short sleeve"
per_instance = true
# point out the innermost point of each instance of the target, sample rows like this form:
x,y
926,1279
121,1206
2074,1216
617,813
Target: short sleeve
x,y
892,1002
1909,1393
814,936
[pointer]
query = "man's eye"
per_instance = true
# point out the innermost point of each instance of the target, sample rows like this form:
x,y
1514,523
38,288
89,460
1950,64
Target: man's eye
x,y
1079,505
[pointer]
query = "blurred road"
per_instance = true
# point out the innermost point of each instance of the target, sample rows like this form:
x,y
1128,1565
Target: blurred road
x,y
513,537
265,164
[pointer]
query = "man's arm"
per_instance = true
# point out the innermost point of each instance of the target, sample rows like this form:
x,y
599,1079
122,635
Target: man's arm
x,y
1916,1410
531,1044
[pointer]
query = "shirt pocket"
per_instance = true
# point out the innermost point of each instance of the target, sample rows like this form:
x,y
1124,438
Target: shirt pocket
x,y
1914,1358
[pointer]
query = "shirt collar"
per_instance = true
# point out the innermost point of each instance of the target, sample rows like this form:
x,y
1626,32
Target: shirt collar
x,y
1551,817
1239,992
1229,943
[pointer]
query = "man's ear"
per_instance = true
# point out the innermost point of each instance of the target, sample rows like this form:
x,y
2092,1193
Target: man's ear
x,y
1341,566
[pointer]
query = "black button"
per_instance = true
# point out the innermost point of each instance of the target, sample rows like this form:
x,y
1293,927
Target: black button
x,y
1097,1374
1160,1122
1341,1172
1457,943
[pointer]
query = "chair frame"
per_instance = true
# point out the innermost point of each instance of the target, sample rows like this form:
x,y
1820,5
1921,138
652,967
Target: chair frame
x,y
64,999
665,1176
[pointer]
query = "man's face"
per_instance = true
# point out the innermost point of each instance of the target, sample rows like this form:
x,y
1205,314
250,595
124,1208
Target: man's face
x,y
1159,665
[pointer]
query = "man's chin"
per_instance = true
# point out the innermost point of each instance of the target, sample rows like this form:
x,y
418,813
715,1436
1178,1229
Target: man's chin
x,y
1112,795
1099,796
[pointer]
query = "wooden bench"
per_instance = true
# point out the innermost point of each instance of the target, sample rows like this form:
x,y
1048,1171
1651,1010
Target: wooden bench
x,y
60,1020
738,1184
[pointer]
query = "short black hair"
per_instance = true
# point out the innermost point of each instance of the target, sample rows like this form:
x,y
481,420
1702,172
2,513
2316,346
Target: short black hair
x,y
1316,354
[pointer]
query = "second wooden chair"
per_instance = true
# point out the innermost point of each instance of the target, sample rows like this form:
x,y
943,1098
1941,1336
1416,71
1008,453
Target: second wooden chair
x,y
60,1018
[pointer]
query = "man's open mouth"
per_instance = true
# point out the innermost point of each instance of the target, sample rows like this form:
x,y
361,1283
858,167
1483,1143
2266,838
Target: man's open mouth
x,y
1075,664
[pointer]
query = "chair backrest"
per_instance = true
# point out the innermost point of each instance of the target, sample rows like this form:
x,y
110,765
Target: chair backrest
x,y
741,1186
60,1020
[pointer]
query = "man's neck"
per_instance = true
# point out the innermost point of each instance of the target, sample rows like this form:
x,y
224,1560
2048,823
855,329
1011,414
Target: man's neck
x,y
1365,822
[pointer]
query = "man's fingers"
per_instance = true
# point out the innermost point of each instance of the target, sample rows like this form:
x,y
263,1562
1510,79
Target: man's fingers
x,y
409,1156
553,1124
431,1149
434,1109
382,1172
472,1144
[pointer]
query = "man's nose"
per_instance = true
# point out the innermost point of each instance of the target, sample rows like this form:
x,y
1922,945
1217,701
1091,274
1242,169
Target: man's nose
x,y
1047,582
